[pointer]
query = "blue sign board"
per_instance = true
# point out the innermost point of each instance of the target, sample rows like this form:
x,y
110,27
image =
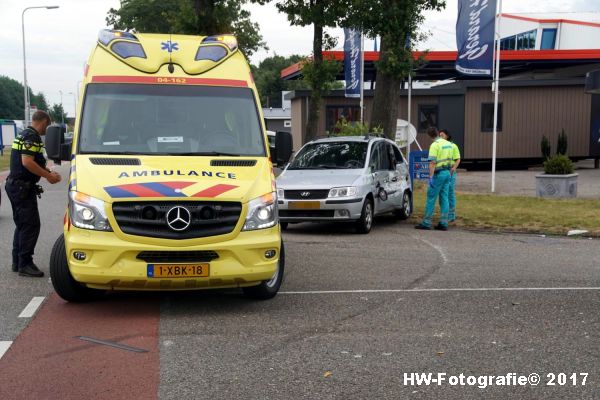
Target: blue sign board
x,y
352,62
419,165
475,28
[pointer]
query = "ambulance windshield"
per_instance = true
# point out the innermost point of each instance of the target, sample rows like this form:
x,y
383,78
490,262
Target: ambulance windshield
x,y
170,120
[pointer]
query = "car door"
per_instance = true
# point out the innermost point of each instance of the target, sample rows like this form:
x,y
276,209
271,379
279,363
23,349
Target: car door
x,y
394,188
380,164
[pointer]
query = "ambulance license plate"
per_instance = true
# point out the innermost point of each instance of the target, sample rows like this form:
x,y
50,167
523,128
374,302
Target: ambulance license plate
x,y
304,205
178,270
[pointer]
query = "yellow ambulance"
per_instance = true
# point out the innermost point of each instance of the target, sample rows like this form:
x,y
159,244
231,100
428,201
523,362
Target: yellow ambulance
x,y
171,186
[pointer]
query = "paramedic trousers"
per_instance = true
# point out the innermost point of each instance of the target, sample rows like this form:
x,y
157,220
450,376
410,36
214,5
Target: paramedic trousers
x,y
441,183
27,220
451,198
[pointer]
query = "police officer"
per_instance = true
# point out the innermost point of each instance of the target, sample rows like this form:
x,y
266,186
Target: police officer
x,y
444,133
27,166
440,164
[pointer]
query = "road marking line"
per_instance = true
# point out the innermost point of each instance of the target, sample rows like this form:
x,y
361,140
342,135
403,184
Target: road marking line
x,y
439,249
111,344
440,290
4,346
32,307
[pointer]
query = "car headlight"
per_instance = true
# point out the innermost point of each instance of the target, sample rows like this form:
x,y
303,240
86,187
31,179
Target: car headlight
x,y
343,191
87,212
280,194
262,213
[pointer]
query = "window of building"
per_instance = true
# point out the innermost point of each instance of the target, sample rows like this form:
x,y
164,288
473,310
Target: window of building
x,y
487,117
548,39
336,113
428,116
522,41
287,124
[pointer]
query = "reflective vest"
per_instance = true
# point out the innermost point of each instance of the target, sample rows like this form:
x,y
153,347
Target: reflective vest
x,y
441,151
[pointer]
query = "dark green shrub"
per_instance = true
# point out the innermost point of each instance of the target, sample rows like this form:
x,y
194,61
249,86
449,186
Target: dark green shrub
x,y
561,145
546,147
558,165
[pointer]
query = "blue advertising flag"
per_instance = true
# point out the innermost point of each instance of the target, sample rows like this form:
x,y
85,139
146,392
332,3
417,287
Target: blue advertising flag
x,y
352,62
475,28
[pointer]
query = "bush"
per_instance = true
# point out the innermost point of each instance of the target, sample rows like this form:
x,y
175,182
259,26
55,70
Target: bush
x,y
559,165
546,148
346,128
561,145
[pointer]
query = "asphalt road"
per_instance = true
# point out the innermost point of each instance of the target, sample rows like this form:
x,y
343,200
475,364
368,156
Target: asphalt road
x,y
355,314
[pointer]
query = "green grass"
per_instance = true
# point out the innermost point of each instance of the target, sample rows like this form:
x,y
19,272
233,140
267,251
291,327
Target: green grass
x,y
5,160
520,214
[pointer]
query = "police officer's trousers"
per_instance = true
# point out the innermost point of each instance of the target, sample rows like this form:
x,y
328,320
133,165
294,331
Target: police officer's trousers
x,y
27,220
441,182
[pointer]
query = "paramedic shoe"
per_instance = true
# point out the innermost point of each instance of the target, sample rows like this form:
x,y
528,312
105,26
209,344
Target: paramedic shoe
x,y
15,268
31,270
423,227
440,227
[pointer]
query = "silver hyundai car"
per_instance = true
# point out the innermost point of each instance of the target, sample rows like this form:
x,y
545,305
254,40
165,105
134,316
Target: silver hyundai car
x,y
352,179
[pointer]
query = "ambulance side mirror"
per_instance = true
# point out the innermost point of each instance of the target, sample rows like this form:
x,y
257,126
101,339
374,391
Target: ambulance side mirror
x,y
56,148
283,147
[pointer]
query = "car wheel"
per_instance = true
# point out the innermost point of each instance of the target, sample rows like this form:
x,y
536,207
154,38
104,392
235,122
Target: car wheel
x,y
406,208
268,289
284,225
64,284
365,223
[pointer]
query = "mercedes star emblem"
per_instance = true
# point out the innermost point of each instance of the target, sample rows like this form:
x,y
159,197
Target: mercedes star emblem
x,y
179,218
305,194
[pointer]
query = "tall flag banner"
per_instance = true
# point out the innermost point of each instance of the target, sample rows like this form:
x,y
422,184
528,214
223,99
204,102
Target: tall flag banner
x,y
475,28
352,62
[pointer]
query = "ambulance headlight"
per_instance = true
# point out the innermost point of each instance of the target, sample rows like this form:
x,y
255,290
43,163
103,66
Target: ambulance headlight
x,y
87,212
262,213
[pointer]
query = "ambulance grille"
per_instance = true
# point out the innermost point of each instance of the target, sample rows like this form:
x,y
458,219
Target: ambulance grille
x,y
149,218
159,257
115,161
232,163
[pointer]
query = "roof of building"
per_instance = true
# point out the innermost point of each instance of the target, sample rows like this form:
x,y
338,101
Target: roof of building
x,y
579,18
277,113
439,65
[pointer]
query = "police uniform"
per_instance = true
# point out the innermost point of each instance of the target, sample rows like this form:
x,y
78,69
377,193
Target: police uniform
x,y
452,185
440,152
21,189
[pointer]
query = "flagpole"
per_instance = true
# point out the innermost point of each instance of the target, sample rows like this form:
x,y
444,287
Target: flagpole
x,y
496,89
362,77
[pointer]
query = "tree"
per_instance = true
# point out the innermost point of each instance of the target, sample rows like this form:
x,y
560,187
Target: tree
x,y
319,73
267,76
397,22
11,99
192,17
57,113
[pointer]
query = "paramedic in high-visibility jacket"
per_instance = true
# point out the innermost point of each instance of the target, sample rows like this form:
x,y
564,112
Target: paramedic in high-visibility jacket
x,y
444,133
440,164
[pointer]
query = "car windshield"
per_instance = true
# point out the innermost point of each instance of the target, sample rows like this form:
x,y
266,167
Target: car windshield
x,y
331,155
170,120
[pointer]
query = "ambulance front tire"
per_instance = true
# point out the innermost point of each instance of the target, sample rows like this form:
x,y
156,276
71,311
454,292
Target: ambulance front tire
x,y
268,289
64,284
284,225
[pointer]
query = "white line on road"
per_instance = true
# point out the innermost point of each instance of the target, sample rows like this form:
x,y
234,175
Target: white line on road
x,y
440,290
4,346
32,307
439,249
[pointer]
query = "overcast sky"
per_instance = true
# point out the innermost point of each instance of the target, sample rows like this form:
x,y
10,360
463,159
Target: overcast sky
x,y
59,41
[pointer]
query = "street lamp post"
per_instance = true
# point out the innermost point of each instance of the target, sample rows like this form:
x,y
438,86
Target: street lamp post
x,y
25,88
75,103
62,118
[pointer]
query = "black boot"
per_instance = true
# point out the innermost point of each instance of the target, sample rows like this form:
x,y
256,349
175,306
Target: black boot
x,y
31,270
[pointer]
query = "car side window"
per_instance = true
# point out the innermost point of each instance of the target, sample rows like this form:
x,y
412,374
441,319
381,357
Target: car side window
x,y
385,163
375,156
398,155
